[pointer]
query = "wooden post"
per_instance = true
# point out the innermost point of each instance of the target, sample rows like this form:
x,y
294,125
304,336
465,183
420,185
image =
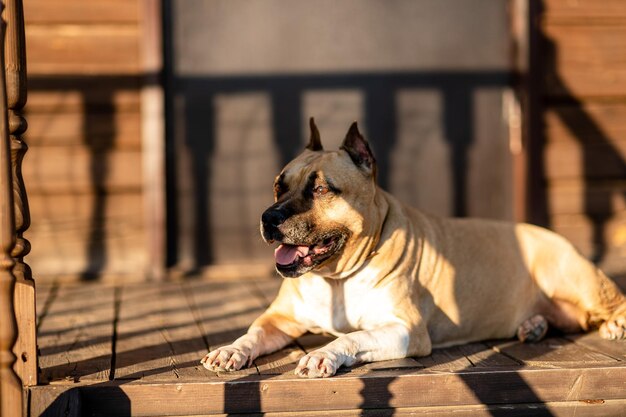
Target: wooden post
x,y
15,69
10,384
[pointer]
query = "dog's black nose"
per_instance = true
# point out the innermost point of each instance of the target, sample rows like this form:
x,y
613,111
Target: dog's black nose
x,y
273,217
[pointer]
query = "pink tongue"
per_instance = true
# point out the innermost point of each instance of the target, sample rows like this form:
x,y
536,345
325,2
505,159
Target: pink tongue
x,y
286,254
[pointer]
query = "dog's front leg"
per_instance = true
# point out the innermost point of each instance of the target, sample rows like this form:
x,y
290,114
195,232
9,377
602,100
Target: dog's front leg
x,y
389,341
264,336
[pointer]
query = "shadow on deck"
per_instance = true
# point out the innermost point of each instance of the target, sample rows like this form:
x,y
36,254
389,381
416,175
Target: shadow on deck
x,y
135,349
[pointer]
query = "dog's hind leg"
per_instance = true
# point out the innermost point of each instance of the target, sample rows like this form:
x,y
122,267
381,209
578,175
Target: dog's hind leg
x,y
580,295
615,326
580,292
605,306
533,330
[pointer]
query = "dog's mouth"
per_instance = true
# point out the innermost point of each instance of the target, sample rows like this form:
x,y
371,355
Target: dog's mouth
x,y
295,260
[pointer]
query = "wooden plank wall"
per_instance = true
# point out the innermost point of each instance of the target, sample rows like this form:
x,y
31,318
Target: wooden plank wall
x,y
583,58
84,168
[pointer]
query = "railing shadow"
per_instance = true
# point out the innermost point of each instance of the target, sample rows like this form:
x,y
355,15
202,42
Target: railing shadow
x,y
99,131
607,164
199,135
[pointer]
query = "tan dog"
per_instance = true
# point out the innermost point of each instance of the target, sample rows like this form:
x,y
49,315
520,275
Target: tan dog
x,y
390,281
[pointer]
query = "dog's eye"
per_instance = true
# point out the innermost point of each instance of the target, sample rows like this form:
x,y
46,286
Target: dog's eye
x,y
320,190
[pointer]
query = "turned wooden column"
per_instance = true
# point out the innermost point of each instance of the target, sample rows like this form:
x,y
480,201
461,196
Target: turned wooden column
x,y
15,70
10,384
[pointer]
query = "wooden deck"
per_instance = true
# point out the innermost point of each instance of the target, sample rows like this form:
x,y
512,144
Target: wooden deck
x,y
135,350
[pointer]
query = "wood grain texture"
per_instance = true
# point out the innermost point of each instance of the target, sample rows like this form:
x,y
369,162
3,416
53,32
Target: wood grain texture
x,y
49,97
585,61
157,335
586,122
593,341
160,338
571,160
82,170
592,236
94,132
68,401
584,11
79,49
115,250
376,390
81,12
224,311
595,198
75,337
88,232
551,352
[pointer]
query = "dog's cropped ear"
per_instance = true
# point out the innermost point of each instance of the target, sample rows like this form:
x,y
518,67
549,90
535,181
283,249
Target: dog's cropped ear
x,y
359,150
315,143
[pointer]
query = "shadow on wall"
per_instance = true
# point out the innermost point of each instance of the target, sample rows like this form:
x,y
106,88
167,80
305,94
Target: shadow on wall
x,y
85,184
600,159
213,174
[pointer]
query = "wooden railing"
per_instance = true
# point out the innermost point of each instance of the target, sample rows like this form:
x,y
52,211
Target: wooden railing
x,y
18,354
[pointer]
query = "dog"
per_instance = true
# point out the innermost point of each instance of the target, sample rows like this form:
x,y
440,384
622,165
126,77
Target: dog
x,y
392,282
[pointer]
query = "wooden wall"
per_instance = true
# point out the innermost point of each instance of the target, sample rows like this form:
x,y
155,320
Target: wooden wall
x,y
87,73
582,60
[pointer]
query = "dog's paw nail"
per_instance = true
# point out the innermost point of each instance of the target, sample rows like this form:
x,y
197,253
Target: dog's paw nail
x,y
317,365
227,358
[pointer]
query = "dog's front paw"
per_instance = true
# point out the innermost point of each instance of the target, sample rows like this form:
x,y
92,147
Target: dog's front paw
x,y
226,358
318,364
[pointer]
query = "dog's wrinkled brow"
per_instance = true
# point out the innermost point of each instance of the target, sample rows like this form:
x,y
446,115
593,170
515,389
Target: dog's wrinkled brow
x,y
313,177
310,184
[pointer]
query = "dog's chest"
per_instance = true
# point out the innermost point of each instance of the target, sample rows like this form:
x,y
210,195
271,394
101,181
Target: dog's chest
x,y
333,306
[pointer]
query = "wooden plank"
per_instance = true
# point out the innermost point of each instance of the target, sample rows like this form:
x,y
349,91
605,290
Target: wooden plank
x,y
111,249
56,400
75,211
580,229
224,310
75,336
157,335
592,341
75,49
393,364
92,131
589,61
281,362
482,356
42,294
584,11
61,169
551,352
388,389
81,12
311,341
589,198
55,97
448,359
77,233
600,408
25,347
587,122
568,160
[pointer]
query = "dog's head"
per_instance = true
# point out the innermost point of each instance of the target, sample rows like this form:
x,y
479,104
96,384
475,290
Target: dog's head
x,y
322,205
